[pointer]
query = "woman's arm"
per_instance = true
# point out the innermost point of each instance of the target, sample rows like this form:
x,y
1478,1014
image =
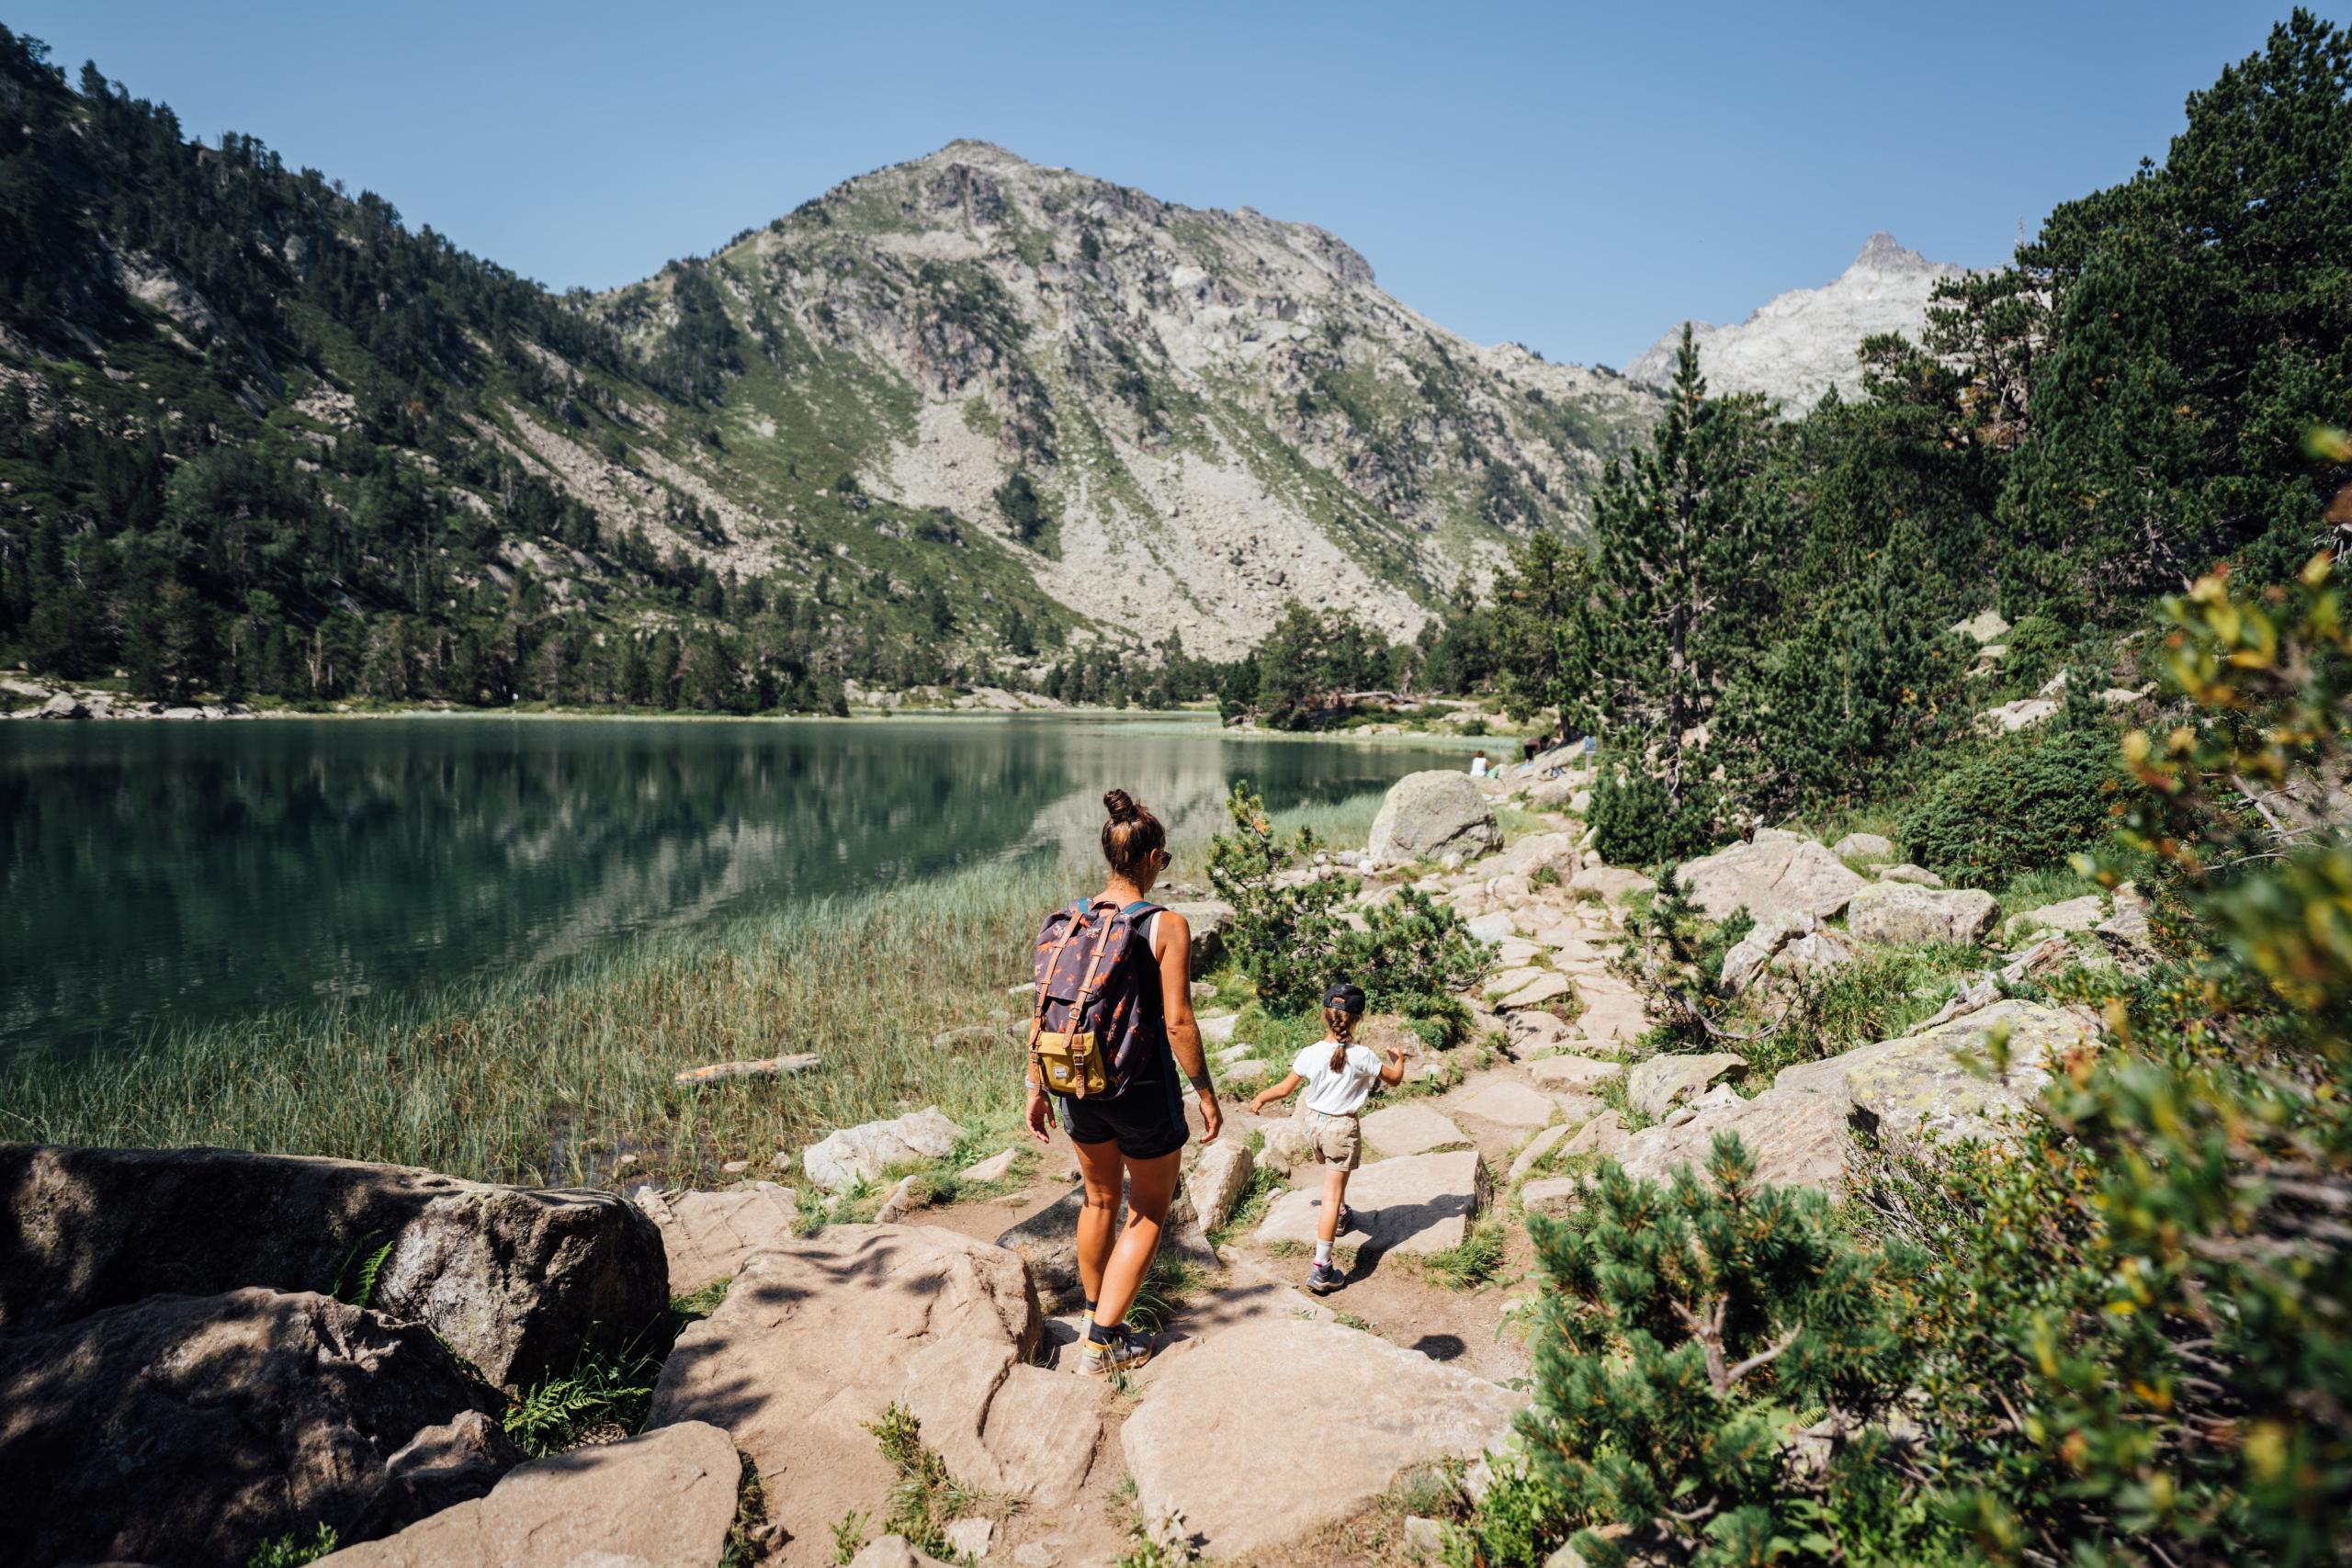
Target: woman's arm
x,y
1272,1092
1393,1072
1183,1031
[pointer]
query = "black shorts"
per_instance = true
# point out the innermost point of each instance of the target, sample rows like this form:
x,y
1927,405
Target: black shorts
x,y
1146,1121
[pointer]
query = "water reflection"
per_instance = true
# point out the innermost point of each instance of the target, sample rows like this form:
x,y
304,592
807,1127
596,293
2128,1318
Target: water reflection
x,y
164,873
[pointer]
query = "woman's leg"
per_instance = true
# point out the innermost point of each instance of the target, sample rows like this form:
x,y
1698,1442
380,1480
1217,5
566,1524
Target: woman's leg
x,y
1104,1173
1151,1187
1335,1198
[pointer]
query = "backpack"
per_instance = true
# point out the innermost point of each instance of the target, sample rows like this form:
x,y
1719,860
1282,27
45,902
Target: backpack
x,y
1097,988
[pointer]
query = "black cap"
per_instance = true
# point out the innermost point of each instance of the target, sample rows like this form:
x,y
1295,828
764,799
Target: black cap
x,y
1347,998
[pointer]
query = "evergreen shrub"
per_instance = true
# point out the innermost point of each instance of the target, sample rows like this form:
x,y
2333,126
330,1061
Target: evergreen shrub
x,y
2030,803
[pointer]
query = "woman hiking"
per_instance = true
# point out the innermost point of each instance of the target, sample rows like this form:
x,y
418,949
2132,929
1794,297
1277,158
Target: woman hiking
x,y
1113,1031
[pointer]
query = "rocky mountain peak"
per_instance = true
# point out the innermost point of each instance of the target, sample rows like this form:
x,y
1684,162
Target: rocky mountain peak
x,y
1883,253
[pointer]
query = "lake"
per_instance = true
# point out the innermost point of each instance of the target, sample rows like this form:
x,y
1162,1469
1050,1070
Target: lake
x,y
159,873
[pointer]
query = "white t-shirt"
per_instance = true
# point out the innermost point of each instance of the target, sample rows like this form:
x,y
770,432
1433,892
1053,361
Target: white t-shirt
x,y
1477,767
1341,1093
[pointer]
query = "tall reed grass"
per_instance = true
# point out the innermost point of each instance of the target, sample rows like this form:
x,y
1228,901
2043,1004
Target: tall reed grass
x,y
553,1076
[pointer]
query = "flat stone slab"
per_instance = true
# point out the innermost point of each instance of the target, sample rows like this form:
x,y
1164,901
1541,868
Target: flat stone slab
x,y
1204,1442
1552,1194
1419,1204
1582,1073
1496,926
663,1500
1218,1030
1506,1102
1604,1135
1546,987
1653,1087
1613,1013
1410,1129
1543,1144
709,1236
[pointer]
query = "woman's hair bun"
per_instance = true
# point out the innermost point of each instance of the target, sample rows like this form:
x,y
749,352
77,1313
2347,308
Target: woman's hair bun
x,y
1120,804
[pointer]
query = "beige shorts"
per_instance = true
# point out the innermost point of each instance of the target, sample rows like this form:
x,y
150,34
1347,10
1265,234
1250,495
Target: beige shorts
x,y
1336,1141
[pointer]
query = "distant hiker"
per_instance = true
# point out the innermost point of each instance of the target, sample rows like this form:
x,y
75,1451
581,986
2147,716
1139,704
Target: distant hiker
x,y
1479,766
1113,1024
1339,1076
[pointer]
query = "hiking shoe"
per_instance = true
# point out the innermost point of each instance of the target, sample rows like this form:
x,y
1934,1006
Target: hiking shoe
x,y
1325,1278
1123,1352
1346,1216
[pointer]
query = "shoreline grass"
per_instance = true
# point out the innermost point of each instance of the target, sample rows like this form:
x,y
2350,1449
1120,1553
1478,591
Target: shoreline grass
x,y
550,1076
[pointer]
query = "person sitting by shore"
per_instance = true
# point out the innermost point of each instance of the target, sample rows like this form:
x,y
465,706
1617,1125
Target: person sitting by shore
x,y
1478,765
1113,1026
1339,1076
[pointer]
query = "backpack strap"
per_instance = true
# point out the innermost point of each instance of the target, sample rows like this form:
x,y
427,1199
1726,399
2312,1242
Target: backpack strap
x,y
1037,1018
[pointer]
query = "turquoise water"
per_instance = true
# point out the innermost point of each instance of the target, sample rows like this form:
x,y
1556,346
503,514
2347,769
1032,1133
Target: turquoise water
x,y
160,874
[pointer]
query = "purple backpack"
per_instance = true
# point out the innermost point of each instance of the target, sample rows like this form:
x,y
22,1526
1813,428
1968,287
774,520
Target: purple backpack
x,y
1098,996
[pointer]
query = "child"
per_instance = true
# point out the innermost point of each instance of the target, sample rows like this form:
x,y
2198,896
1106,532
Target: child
x,y
1339,1074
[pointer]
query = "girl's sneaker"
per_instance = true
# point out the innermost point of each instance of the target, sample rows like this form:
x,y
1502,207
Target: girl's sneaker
x,y
1325,1278
1123,1352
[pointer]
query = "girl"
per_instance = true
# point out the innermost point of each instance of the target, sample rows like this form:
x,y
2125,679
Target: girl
x,y
1130,1142
1339,1075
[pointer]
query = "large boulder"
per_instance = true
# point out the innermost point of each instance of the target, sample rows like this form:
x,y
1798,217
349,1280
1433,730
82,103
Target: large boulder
x,y
1863,847
1752,954
1199,1447
514,1280
663,1500
1655,1087
1892,912
709,1236
1537,852
1431,814
1775,873
1209,920
1048,1240
191,1429
1922,1086
820,1336
1798,1136
1419,1204
870,1150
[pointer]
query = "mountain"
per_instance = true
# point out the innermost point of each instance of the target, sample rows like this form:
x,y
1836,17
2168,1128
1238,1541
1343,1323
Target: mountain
x,y
965,417
1179,418
1803,342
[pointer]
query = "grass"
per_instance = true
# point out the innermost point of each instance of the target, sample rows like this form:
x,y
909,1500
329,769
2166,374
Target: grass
x,y
291,1550
1472,1263
2051,884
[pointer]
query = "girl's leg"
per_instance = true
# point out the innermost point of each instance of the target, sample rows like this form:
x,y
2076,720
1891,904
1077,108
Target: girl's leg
x,y
1151,1187
1335,1198
1104,1173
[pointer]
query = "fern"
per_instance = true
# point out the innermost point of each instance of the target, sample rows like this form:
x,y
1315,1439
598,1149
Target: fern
x,y
599,1391
290,1550
359,1289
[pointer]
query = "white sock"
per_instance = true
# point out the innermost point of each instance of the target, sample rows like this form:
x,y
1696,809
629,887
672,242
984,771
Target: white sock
x,y
1322,1252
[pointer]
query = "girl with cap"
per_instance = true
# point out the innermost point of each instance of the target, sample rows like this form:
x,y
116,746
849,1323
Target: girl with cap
x,y
1339,1076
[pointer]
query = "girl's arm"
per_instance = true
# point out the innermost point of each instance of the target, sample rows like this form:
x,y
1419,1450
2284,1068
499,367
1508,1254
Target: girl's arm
x,y
1393,1072
1176,1007
1272,1092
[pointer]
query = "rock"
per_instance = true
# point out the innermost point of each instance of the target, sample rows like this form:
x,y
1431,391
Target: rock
x,y
1612,882
1218,1180
1233,1054
734,1167
1603,1136
2070,915
1048,1240
1285,1144
1036,1554
192,1428
1241,1074
1612,1015
1496,926
1917,875
1572,1072
865,1153
1537,852
1914,1088
996,1167
1516,954
1655,1087
2126,931
1899,912
973,1035
765,1068
1380,1031
1546,988
970,1538
1798,1137
1218,1030
904,1200
1418,1203
1507,1102
516,1280
1209,918
2008,718
1552,794
890,1551
781,1159
1423,1538
64,704
1533,1031
1984,627
1863,846
709,1236
1410,1129
1776,873
1552,1194
1813,953
663,1500
1203,990
1750,956
1543,1144
2044,956
1199,1447
1429,815
821,1333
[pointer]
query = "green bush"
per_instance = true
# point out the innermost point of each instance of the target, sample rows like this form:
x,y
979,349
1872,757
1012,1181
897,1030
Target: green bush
x,y
1412,954
1636,821
1283,938
2025,805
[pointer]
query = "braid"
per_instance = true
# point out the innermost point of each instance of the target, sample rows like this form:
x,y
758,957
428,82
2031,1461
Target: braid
x,y
1342,1025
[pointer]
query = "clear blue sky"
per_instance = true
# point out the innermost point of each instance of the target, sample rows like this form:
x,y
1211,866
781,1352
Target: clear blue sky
x,y
1574,176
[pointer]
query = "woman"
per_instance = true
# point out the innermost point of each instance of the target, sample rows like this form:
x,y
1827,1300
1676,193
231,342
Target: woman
x,y
1132,1137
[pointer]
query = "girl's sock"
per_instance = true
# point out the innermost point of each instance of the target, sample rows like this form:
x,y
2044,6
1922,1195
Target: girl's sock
x,y
1090,1312
1096,1333
1322,1252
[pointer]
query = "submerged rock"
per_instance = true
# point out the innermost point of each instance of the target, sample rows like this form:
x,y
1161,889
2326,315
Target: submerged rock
x,y
191,1429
